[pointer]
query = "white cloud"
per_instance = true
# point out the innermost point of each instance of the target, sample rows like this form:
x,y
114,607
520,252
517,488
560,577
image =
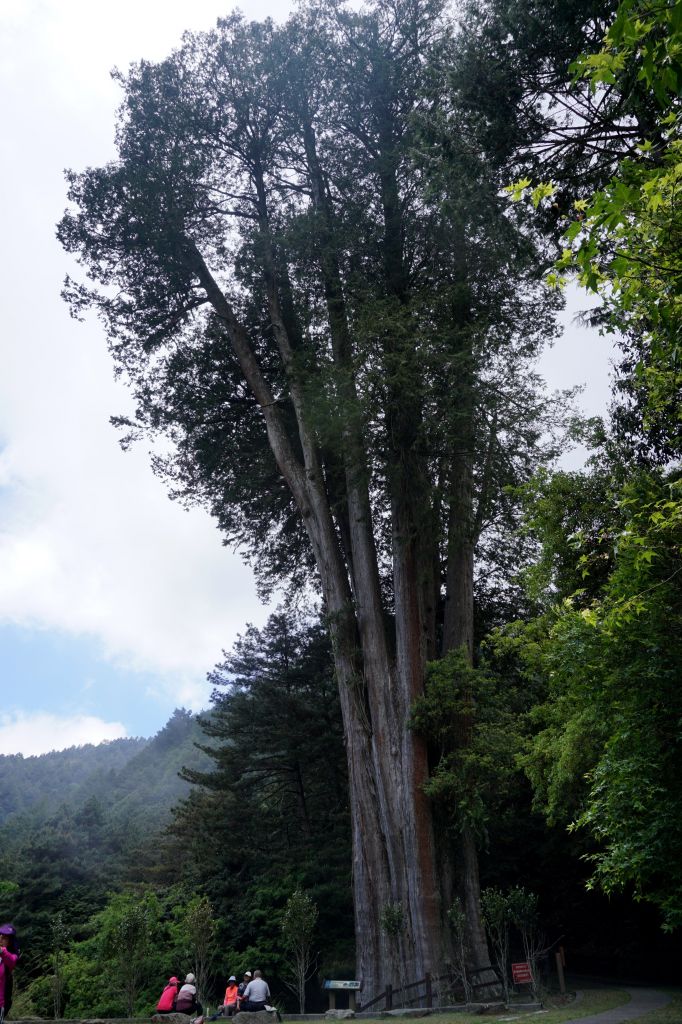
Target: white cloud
x,y
39,732
89,542
105,553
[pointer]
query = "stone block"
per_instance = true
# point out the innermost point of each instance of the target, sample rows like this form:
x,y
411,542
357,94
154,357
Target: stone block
x,y
261,1017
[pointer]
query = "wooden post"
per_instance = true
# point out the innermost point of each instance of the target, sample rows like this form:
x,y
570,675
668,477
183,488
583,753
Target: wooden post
x,y
389,997
351,1000
332,999
560,972
429,990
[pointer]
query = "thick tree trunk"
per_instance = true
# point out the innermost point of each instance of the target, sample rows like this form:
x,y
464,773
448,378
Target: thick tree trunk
x,y
485,981
458,631
393,853
393,849
412,774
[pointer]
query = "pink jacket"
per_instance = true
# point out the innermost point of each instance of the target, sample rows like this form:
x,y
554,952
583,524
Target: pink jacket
x,y
168,996
7,963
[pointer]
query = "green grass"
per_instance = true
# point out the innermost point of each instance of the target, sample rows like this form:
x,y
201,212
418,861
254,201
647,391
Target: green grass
x,y
594,1001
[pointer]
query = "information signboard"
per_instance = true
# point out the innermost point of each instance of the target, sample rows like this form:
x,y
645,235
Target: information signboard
x,y
521,973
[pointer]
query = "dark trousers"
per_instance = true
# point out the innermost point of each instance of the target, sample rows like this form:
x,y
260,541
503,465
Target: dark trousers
x,y
251,1006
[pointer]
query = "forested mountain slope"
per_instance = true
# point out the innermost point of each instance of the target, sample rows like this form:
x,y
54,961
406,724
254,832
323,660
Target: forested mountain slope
x,y
75,822
41,783
126,776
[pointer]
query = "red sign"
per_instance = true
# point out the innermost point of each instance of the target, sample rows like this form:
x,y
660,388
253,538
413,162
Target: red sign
x,y
521,974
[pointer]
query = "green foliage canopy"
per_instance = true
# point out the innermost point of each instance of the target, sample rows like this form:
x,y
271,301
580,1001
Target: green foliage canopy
x,y
623,241
607,754
469,717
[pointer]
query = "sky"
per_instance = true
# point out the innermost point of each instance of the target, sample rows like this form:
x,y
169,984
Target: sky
x,y
114,601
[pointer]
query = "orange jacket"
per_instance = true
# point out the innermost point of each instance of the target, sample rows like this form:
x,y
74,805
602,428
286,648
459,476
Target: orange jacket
x,y
231,995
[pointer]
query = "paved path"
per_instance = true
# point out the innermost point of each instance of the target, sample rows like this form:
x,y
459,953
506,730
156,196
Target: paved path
x,y
642,1000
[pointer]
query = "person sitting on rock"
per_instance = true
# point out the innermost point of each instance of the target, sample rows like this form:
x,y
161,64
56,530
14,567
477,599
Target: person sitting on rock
x,y
229,1006
256,994
187,1001
242,988
166,1003
230,1001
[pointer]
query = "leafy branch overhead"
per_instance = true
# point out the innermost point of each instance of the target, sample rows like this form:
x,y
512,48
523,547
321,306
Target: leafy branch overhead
x,y
623,241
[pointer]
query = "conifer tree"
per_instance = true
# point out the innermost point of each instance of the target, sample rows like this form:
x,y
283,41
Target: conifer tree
x,y
310,280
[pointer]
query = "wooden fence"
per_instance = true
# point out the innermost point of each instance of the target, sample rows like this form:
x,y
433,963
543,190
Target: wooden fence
x,y
442,990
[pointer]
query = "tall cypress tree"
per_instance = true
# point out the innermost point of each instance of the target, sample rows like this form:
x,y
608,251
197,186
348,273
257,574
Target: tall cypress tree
x,y
316,293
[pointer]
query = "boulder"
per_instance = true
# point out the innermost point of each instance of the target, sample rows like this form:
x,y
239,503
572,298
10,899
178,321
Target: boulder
x,y
340,1014
261,1017
170,1018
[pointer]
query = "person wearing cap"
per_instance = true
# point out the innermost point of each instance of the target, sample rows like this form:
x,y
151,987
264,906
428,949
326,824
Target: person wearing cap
x,y
187,1001
231,996
256,994
242,988
9,954
230,1003
166,1003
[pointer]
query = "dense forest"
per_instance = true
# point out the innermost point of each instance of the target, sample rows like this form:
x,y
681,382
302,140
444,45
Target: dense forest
x,y
117,845
200,867
36,784
327,257
81,824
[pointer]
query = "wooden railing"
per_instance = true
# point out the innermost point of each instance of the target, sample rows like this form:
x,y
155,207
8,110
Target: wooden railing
x,y
444,985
